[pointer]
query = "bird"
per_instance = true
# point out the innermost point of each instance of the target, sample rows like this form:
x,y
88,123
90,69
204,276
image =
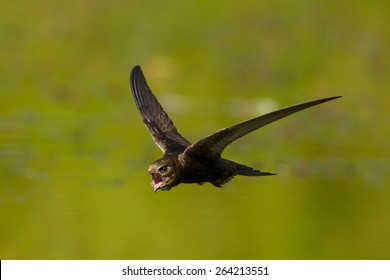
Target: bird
x,y
201,161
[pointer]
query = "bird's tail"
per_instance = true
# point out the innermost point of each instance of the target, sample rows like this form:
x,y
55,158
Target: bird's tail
x,y
253,172
244,170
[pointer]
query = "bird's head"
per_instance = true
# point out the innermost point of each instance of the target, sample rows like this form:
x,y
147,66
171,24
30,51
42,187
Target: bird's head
x,y
164,174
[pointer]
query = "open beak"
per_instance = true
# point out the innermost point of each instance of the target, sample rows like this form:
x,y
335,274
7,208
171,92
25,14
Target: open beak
x,y
157,181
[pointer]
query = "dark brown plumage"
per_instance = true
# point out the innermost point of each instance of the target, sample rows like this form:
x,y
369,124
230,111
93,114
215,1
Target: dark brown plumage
x,y
200,162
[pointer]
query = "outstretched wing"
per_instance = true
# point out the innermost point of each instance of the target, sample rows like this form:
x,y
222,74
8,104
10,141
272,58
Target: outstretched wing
x,y
160,126
214,144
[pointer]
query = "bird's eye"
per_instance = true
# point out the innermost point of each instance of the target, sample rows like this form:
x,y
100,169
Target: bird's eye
x,y
163,169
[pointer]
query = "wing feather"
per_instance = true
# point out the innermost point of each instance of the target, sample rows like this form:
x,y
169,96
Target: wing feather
x,y
160,126
214,144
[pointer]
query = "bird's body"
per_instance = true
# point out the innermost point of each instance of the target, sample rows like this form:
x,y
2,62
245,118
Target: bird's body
x,y
217,171
200,162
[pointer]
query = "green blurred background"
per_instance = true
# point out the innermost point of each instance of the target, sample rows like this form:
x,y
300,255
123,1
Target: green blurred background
x,y
74,152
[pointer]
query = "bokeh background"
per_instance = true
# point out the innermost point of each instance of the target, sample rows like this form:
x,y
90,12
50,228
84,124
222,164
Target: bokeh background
x,y
74,152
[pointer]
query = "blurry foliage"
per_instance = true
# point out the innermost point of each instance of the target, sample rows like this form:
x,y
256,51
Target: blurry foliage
x,y
74,152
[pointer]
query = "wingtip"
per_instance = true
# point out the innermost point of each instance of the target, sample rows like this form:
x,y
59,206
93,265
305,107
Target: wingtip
x,y
136,69
136,75
331,98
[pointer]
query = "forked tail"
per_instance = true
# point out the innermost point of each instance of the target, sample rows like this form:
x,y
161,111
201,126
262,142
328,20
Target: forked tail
x,y
244,170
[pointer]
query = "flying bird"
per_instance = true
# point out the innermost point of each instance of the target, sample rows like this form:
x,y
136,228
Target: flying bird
x,y
200,162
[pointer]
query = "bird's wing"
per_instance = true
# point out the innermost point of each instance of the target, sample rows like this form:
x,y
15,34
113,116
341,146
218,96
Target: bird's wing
x,y
161,127
213,145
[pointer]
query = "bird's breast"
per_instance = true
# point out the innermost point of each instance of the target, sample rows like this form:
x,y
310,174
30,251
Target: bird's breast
x,y
200,170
